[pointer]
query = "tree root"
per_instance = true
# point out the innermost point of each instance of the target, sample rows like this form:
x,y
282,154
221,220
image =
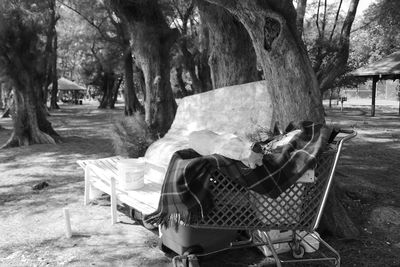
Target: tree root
x,y
11,142
335,219
37,138
42,138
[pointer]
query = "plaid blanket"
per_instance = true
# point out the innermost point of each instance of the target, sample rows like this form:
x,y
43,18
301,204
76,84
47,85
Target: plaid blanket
x,y
185,194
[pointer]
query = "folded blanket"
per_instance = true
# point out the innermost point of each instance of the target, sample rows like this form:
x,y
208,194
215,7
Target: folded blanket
x,y
185,194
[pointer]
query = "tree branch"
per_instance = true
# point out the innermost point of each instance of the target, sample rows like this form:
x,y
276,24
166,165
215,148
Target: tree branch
x,y
336,20
324,20
317,20
348,22
97,27
300,10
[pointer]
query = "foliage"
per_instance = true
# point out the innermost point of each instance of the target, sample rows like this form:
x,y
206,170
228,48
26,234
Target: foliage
x,y
377,34
131,136
88,41
21,43
103,46
327,34
74,42
321,30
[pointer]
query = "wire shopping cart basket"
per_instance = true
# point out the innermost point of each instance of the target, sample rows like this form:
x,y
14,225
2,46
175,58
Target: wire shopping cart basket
x,y
296,212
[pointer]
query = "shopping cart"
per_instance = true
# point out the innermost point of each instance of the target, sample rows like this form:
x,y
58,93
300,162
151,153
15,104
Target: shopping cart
x,y
296,211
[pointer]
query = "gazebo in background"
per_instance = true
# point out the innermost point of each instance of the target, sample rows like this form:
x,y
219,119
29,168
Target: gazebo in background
x,y
71,88
388,68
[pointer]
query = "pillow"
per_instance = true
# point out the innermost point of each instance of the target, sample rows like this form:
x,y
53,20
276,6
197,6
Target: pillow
x,y
207,142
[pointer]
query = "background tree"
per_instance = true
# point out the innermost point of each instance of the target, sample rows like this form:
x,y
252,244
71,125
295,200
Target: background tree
x,y
101,52
377,34
192,51
5,96
51,54
22,61
113,30
327,36
151,40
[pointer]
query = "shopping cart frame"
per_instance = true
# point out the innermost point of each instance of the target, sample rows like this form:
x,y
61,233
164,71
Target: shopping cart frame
x,y
299,210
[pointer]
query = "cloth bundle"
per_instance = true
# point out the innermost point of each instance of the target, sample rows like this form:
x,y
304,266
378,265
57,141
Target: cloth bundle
x,y
185,194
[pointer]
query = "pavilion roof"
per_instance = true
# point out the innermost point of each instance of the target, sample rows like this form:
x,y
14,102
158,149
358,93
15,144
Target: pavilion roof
x,y
386,68
65,84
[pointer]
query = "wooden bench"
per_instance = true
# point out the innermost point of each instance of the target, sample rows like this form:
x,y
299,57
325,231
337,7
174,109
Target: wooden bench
x,y
240,110
101,175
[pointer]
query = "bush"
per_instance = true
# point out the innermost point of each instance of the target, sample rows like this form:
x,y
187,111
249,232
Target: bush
x,y
131,136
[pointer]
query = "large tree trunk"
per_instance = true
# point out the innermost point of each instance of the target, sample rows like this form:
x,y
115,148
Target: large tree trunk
x,y
301,11
139,82
54,78
181,83
151,42
201,61
281,53
115,91
5,95
50,60
132,103
291,80
110,87
1,96
232,57
190,66
29,119
22,64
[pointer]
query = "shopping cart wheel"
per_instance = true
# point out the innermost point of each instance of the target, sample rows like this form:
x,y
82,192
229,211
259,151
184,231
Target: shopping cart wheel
x,y
196,249
192,261
185,261
190,252
298,253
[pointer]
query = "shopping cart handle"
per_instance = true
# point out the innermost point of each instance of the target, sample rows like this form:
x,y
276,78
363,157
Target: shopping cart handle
x,y
350,134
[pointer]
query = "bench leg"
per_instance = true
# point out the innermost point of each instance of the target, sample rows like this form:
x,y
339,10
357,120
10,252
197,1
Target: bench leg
x,y
91,192
113,202
88,186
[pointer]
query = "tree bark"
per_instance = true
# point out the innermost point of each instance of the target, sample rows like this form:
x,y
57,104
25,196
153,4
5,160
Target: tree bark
x,y
132,103
7,99
232,57
188,56
301,11
54,78
51,58
151,42
335,219
201,60
21,62
109,86
280,51
138,79
115,90
30,123
190,66
181,83
337,64
1,95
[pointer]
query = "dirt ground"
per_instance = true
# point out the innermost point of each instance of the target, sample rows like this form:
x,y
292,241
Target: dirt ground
x,y
32,231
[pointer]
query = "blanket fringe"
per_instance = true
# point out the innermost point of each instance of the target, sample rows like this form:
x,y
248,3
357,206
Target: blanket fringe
x,y
172,220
